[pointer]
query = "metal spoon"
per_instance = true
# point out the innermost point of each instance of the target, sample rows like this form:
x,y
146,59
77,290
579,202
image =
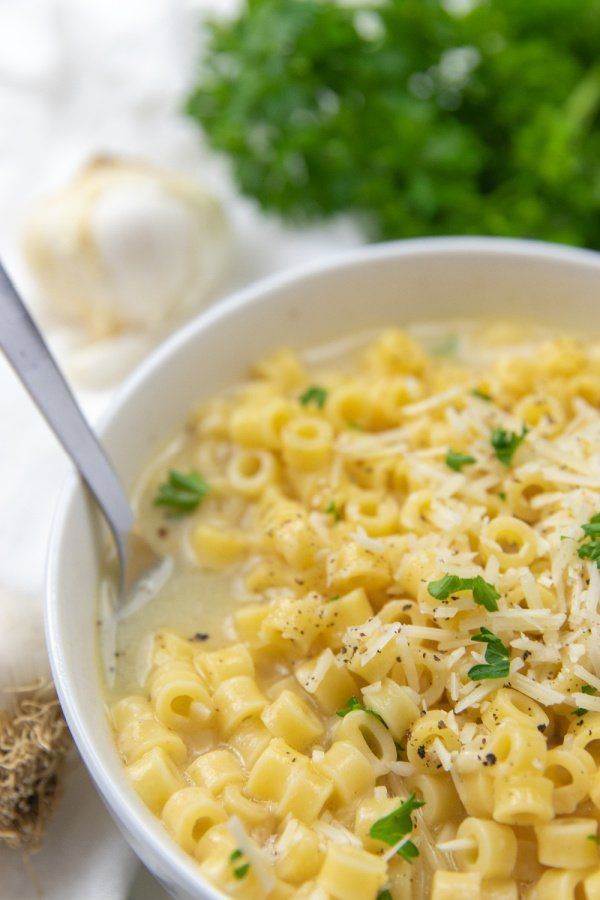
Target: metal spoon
x,y
32,361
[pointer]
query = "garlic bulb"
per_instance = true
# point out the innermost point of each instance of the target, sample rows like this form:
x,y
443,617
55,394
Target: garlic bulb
x,y
127,247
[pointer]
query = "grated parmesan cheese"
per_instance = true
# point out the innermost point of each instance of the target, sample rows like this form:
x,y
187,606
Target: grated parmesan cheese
x,y
361,537
442,754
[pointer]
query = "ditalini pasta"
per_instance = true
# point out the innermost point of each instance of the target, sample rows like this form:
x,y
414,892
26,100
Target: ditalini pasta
x,y
391,686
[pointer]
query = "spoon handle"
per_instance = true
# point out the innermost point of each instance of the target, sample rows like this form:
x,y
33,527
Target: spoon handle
x,y
32,361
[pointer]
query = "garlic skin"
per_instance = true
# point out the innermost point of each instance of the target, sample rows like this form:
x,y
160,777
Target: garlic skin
x,y
127,247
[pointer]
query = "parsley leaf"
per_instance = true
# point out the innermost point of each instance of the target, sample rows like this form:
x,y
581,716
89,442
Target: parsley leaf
x,y
385,895
592,528
182,493
456,460
506,443
594,838
314,394
590,548
239,872
482,395
392,828
586,689
354,703
334,510
320,115
497,657
484,593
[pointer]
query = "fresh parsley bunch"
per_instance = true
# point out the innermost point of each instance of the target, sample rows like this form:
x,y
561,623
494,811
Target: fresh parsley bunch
x,y
416,118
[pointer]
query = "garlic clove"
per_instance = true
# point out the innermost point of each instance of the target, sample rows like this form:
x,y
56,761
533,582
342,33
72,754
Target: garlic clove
x,y
127,247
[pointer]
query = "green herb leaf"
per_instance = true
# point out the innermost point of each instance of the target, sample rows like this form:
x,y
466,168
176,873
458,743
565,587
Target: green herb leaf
x,y
456,460
502,495
321,113
484,593
408,851
482,395
334,511
590,548
594,838
181,493
392,828
593,526
314,394
384,895
241,871
586,689
354,703
506,443
497,657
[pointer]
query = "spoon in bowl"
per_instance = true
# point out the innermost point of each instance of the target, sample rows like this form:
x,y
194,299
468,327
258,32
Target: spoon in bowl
x,y
26,350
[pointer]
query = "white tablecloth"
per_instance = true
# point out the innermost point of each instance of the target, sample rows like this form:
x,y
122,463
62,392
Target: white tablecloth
x,y
77,78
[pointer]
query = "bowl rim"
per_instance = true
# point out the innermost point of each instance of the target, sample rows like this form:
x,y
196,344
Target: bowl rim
x,y
182,868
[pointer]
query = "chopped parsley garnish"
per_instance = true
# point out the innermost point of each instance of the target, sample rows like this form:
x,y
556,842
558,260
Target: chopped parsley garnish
x,y
334,510
586,689
590,548
506,443
482,395
385,895
392,828
594,838
354,703
239,872
331,599
456,460
314,394
497,657
502,495
181,493
592,528
484,593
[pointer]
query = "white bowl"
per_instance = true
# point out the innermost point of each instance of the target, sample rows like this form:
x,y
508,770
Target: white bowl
x,y
378,285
